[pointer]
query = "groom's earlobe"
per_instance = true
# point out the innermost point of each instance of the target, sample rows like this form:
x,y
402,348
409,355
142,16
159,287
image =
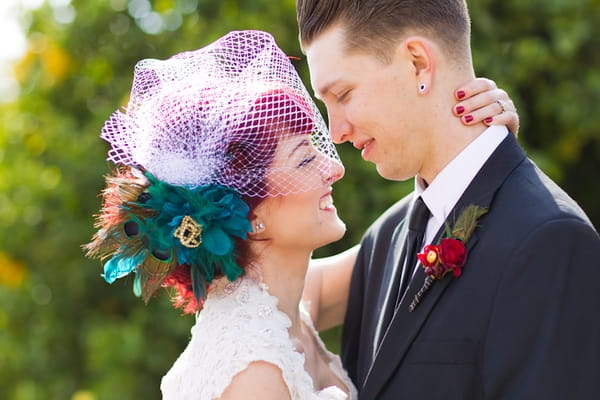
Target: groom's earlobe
x,y
422,59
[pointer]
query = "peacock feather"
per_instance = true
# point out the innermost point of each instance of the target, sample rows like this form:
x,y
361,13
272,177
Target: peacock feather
x,y
466,223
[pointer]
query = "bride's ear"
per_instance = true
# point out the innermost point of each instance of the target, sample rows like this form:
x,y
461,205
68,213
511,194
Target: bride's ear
x,y
258,227
257,221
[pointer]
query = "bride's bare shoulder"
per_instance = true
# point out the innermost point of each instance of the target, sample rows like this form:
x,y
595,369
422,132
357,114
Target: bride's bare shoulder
x,y
260,380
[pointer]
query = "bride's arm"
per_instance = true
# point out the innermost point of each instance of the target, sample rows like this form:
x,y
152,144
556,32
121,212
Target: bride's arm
x,y
327,287
260,380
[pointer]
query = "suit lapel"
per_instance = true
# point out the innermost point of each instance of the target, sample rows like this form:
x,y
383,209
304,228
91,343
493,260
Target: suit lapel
x,y
406,325
388,302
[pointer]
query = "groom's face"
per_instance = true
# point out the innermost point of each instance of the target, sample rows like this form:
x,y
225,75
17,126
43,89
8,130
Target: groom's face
x,y
370,103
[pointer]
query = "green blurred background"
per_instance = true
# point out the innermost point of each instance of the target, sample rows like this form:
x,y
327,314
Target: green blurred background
x,y
65,333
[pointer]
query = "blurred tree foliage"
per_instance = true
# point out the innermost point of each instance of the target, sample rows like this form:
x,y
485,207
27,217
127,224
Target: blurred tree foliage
x,y
64,333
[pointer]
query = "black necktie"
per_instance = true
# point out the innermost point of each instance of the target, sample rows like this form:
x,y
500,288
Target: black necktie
x,y
417,223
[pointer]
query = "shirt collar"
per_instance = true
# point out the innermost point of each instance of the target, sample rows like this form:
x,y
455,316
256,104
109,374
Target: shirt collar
x,y
448,186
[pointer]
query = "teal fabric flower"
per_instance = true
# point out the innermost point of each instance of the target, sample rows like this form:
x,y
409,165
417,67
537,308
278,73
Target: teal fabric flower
x,y
151,248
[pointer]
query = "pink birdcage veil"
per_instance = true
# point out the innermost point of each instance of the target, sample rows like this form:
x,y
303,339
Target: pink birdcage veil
x,y
188,116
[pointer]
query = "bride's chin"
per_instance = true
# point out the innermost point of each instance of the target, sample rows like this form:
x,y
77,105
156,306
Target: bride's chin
x,y
339,233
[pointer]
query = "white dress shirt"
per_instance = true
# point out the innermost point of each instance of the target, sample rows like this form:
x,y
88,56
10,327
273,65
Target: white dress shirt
x,y
448,186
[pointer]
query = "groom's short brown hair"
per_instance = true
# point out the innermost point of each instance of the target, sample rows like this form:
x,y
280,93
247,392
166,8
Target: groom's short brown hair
x,y
375,25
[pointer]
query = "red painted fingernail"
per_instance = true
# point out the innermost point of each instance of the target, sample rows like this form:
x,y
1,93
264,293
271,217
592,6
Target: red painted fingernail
x,y
460,110
468,118
488,120
460,94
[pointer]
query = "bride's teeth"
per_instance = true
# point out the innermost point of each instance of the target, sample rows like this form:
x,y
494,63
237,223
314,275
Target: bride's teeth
x,y
326,202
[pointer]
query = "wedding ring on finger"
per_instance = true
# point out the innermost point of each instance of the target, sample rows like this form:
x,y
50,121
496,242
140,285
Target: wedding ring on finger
x,y
501,106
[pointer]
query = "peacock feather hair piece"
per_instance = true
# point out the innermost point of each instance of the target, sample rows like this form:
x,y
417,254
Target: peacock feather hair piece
x,y
149,227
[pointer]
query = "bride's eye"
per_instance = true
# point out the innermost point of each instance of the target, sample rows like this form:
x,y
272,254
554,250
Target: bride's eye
x,y
306,160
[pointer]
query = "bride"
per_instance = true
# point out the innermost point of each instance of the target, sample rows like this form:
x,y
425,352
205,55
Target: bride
x,y
223,189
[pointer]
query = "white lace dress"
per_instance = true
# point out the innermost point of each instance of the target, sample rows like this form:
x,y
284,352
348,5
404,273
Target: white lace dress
x,y
240,324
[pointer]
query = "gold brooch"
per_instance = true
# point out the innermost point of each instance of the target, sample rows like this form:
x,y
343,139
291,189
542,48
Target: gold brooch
x,y
189,232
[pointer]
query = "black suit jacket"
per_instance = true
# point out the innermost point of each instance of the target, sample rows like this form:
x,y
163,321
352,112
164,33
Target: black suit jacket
x,y
521,322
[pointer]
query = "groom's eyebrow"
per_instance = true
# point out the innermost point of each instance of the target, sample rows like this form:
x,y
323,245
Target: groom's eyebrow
x,y
324,88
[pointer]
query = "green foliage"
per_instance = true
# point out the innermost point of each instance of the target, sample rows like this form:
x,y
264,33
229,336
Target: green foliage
x,y
64,333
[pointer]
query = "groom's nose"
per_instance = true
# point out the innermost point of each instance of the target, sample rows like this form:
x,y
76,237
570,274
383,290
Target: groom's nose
x,y
339,128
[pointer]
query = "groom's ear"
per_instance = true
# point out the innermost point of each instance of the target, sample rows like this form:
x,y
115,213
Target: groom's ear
x,y
421,54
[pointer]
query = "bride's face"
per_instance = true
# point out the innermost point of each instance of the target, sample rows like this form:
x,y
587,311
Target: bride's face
x,y
306,218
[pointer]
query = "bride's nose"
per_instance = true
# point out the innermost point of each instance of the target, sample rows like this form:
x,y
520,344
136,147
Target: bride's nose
x,y
332,172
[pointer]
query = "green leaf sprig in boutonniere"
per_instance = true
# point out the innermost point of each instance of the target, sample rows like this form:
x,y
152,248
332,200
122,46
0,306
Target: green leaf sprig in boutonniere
x,y
450,254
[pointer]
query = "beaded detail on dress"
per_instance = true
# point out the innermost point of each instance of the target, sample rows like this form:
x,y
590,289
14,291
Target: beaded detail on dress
x,y
239,324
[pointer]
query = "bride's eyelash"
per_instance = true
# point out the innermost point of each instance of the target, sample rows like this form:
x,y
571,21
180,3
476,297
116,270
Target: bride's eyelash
x,y
306,160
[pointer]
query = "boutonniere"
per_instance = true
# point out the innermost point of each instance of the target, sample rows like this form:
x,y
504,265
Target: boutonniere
x,y
450,254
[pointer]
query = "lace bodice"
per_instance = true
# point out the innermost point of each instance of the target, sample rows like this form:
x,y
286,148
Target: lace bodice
x,y
240,324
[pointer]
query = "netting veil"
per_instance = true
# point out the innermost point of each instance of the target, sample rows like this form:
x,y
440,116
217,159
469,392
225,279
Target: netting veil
x,y
214,115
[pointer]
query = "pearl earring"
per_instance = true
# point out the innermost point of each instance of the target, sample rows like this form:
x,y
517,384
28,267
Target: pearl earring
x,y
259,226
422,88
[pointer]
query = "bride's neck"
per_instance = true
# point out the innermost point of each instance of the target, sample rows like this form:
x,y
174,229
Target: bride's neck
x,y
284,274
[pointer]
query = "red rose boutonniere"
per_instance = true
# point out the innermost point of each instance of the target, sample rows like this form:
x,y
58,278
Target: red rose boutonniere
x,y
450,254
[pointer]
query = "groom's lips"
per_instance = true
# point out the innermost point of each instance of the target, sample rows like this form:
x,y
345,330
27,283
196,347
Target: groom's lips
x,y
365,148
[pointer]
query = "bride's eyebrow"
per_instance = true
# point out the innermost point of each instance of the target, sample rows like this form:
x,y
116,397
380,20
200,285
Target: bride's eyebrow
x,y
301,143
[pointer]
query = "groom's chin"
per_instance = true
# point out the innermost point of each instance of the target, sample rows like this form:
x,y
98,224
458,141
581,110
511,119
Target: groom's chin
x,y
392,174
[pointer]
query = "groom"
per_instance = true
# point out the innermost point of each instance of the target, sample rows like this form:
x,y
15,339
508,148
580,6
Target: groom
x,y
521,320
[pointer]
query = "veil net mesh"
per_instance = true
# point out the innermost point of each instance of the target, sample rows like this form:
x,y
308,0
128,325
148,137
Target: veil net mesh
x,y
214,115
